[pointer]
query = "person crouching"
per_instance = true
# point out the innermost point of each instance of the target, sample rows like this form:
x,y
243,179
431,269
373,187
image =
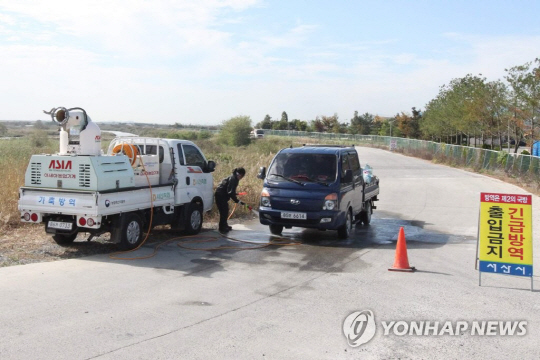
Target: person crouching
x,y
227,190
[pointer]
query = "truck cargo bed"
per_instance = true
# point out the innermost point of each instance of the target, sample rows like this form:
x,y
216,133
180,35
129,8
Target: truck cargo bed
x,y
93,203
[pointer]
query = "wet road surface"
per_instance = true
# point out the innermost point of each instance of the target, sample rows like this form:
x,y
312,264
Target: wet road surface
x,y
281,298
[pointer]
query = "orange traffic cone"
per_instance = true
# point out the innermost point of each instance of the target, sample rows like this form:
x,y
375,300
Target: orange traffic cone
x,y
401,262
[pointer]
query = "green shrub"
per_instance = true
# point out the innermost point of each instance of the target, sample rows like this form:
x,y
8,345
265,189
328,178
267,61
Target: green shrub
x,y
204,134
187,135
502,158
525,152
235,132
39,138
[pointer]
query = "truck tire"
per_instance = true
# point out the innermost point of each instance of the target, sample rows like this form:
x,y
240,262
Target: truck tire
x,y
128,233
345,230
194,219
63,239
365,216
276,229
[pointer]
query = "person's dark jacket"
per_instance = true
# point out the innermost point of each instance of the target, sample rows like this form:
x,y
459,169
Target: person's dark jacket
x,y
227,188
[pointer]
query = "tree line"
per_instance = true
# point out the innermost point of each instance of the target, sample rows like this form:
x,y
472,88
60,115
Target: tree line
x,y
495,111
470,111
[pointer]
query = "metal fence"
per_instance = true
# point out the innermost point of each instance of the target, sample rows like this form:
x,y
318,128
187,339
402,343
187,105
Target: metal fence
x,y
477,158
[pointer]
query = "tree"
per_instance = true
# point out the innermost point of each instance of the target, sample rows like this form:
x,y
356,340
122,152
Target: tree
x,y
377,124
414,125
409,126
317,125
331,123
497,110
3,129
284,117
355,124
284,122
458,109
39,125
235,131
298,125
279,125
361,124
266,123
402,123
525,83
366,120
384,128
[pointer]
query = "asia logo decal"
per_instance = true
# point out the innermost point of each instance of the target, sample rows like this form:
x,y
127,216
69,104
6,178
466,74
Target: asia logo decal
x,y
359,327
60,165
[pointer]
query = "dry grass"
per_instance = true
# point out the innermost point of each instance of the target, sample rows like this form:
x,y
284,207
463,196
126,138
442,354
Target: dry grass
x,y
252,157
15,155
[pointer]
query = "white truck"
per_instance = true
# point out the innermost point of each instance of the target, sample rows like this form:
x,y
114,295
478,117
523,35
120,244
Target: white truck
x,y
139,183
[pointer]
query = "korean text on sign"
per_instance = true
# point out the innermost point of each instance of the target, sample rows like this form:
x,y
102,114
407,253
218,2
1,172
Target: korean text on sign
x,y
505,236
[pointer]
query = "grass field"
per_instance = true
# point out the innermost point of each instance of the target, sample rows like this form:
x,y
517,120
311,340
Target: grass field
x,y
15,154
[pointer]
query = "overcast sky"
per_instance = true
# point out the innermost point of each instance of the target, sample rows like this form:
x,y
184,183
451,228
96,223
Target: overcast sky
x,y
205,61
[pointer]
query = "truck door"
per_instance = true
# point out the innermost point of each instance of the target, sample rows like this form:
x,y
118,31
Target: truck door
x,y
346,189
192,181
358,181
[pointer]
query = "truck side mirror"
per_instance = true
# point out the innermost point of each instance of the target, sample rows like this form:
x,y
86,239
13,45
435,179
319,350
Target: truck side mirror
x,y
348,177
262,173
210,166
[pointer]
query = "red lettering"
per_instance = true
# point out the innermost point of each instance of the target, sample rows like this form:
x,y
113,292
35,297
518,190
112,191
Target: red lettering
x,y
60,164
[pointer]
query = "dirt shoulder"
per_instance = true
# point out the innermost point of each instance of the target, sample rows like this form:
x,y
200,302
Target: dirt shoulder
x,y
30,244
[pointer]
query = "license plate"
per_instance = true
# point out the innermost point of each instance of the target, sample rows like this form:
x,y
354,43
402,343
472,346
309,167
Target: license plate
x,y
293,215
60,225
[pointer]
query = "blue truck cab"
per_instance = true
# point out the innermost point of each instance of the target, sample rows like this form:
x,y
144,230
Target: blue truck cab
x,y
316,186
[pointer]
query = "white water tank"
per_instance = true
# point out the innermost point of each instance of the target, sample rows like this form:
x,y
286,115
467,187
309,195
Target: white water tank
x,y
64,142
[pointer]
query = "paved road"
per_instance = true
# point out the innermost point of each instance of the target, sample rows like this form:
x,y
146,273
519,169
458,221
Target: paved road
x,y
283,302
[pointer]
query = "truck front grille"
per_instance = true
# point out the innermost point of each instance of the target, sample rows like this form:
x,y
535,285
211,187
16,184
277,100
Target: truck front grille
x,y
84,175
35,173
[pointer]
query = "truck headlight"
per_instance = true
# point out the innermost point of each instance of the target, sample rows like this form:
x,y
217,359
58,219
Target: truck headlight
x,y
329,205
330,202
265,198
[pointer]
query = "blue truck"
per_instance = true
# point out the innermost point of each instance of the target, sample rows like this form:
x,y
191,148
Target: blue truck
x,y
316,186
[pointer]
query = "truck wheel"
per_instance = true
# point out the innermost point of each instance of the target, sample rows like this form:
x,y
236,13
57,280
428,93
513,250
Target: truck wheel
x,y
194,219
129,232
345,230
276,229
365,216
63,239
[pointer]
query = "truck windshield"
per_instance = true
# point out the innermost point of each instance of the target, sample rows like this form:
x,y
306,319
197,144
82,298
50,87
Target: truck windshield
x,y
319,168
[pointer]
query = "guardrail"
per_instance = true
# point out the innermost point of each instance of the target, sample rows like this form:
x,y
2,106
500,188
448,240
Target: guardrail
x,y
477,158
